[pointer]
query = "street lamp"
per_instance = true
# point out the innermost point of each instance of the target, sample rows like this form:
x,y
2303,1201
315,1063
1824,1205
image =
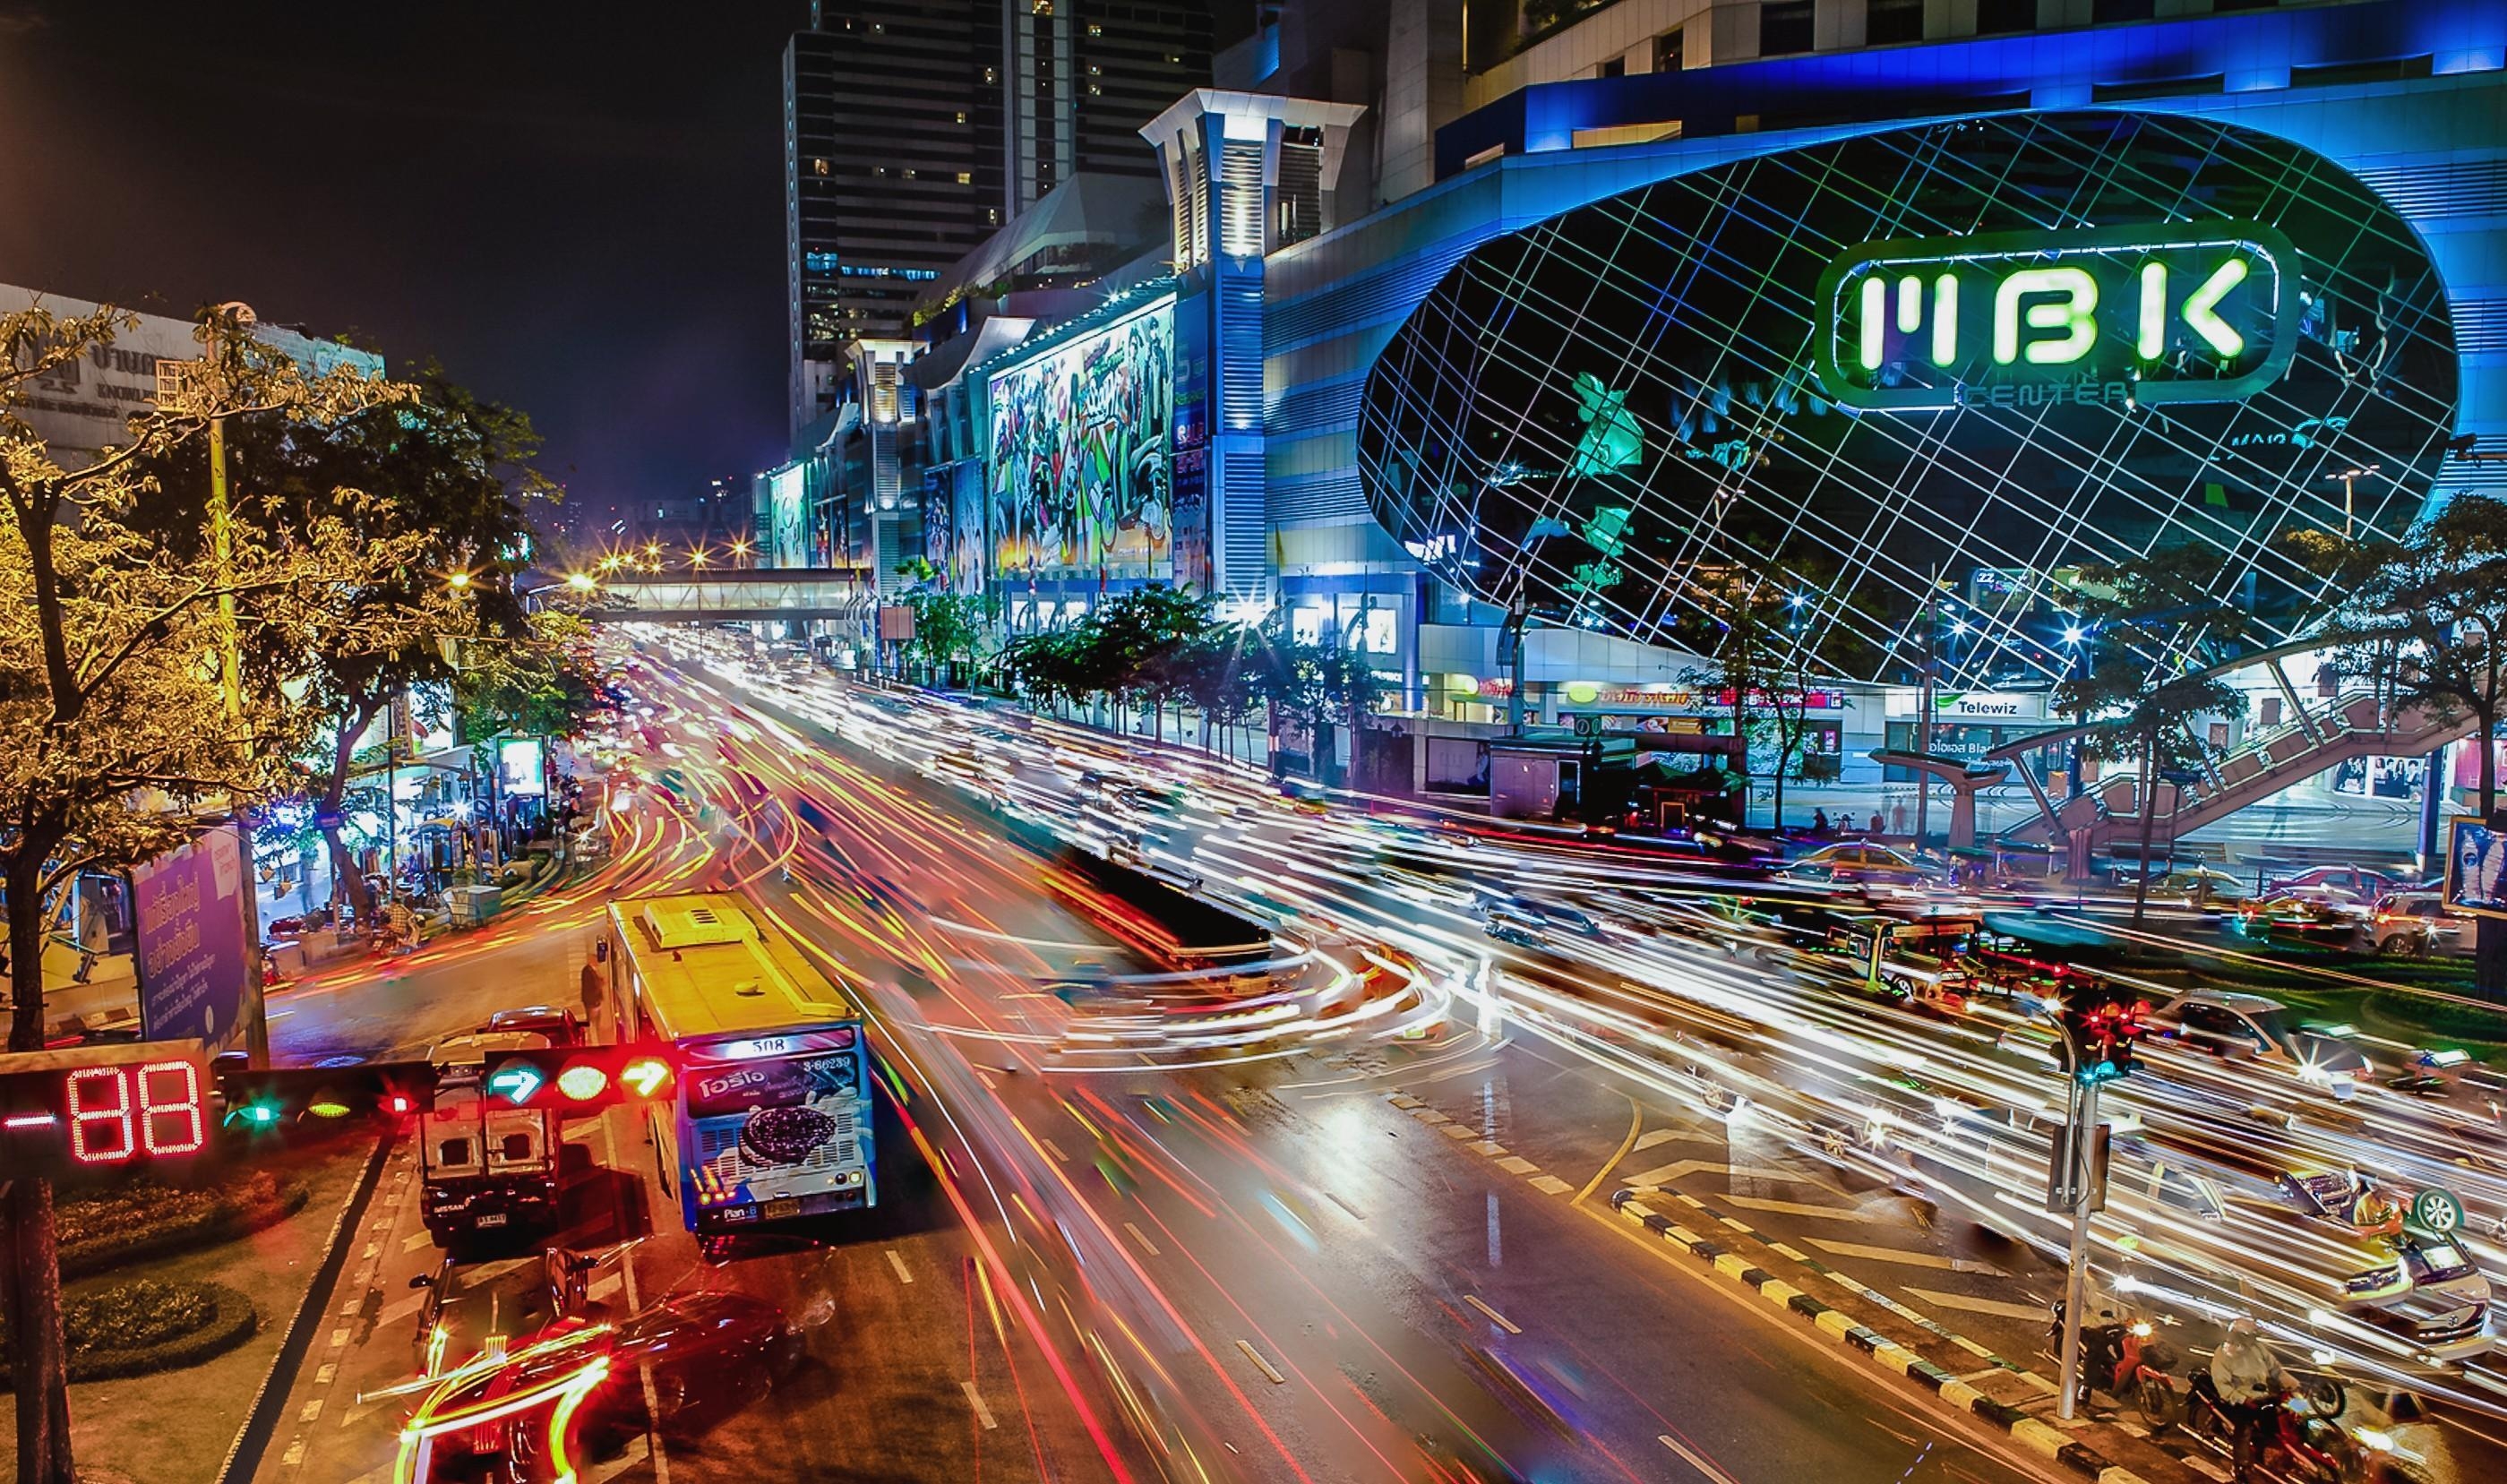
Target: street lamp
x,y
459,581
697,557
2349,478
581,582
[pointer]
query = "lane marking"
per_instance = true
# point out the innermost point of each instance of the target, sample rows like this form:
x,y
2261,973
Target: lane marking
x,y
1909,1259
1696,1459
1516,1164
1664,1175
1260,1364
338,1338
1652,1136
1550,1185
1143,1238
313,1411
393,1313
1498,1319
415,1240
1799,1208
898,1263
326,1375
1992,1306
1055,1149
1636,1121
983,1413
1355,1214
1490,1147
1456,1131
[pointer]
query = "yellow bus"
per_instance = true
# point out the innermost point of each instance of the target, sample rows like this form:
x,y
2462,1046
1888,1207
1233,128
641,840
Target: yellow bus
x,y
771,1119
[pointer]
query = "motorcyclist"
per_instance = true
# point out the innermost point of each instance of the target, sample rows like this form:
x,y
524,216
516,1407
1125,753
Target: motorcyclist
x,y
2248,1378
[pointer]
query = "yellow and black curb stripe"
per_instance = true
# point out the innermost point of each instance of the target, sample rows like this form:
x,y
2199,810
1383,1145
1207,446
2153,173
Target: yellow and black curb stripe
x,y
2037,1436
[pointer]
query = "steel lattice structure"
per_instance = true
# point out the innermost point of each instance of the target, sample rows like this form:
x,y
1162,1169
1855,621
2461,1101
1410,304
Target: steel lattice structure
x,y
1594,410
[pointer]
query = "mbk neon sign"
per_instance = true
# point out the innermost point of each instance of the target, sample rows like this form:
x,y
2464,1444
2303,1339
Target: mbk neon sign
x,y
2183,311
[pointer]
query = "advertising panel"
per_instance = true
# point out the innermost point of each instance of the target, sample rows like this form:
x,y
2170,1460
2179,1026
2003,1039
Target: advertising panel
x,y
772,1126
520,767
786,517
192,957
1077,470
2476,870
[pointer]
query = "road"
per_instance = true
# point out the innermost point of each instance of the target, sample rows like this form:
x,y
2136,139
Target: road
x,y
1277,1266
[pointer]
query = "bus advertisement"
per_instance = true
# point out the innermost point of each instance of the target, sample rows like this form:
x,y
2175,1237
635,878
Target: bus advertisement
x,y
773,1117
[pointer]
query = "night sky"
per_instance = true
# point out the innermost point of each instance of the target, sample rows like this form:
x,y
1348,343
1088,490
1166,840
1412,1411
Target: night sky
x,y
576,208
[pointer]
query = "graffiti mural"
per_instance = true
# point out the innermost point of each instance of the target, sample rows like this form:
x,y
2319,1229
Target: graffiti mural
x,y
1078,469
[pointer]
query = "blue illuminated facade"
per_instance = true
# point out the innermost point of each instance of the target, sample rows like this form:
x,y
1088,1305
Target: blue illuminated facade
x,y
2409,99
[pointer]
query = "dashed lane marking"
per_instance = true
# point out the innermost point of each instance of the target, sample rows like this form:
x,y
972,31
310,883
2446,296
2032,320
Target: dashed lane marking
x,y
1550,1185
898,1263
1456,1131
415,1240
1696,1459
339,1337
1992,1306
1142,1238
1909,1259
393,1313
1260,1364
1663,1175
1490,1147
1055,1149
1516,1164
1494,1317
983,1413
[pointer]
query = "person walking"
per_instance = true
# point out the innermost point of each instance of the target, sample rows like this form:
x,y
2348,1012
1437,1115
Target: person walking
x,y
596,988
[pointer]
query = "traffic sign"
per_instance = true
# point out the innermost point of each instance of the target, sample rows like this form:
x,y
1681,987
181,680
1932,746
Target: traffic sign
x,y
103,1107
2437,1211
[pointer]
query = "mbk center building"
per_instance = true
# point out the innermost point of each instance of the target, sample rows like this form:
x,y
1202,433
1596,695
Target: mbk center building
x,y
1950,319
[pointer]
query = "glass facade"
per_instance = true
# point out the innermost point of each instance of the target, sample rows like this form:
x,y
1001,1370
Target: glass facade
x,y
2016,344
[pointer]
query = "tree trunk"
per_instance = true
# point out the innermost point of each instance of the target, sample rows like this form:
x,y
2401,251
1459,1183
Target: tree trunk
x,y
1778,823
30,1274
2149,821
2489,765
348,883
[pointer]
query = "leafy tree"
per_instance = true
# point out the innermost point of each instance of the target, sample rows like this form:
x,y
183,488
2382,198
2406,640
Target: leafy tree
x,y
2154,627
546,684
1774,633
444,475
2426,616
112,701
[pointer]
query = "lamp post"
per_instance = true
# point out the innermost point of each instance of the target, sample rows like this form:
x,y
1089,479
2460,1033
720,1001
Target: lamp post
x,y
2349,478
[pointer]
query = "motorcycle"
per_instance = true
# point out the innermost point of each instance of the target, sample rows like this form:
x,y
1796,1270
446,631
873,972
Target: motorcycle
x,y
2129,1360
2295,1430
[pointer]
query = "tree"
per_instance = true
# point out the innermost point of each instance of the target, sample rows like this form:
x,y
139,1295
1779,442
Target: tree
x,y
444,475
1777,634
110,694
545,684
2155,629
2426,616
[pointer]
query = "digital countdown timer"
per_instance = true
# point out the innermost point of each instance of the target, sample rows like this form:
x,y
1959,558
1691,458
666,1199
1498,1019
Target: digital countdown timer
x,y
2179,311
103,1107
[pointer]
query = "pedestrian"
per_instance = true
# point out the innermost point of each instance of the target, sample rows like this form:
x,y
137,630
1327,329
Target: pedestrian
x,y
1876,823
596,989
1898,817
1819,825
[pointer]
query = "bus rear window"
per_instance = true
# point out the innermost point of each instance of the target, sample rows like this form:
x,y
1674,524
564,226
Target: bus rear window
x,y
783,1082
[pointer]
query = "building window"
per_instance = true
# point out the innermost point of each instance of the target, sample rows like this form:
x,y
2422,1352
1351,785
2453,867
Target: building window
x,y
817,167
1888,21
1667,51
966,177
1999,17
1617,67
1094,30
1784,27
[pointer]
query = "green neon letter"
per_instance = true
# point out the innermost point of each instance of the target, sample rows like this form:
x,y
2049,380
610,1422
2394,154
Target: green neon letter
x,y
1945,319
1911,303
2154,310
2072,314
1876,305
2198,315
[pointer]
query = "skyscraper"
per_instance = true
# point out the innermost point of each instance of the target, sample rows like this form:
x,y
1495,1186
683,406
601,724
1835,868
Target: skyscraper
x,y
914,129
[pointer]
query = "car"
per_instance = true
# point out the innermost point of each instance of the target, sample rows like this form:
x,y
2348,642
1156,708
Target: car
x,y
2359,882
2414,1282
2227,1023
563,1028
2197,885
2396,911
1853,862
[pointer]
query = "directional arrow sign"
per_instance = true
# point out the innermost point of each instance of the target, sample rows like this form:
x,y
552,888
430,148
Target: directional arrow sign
x,y
516,1082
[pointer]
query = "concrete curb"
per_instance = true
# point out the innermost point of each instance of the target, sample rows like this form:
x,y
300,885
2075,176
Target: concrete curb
x,y
2038,1437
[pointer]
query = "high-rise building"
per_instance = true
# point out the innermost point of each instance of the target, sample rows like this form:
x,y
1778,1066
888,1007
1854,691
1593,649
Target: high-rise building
x,y
915,128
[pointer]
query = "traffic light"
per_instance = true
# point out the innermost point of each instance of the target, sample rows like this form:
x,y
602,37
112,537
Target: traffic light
x,y
578,1080
2103,1026
278,1096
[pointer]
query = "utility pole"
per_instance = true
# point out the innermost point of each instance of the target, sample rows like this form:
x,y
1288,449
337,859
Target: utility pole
x,y
2078,1156
1924,711
1510,639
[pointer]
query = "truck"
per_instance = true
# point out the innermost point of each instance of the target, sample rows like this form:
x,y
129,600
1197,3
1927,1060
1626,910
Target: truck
x,y
489,1171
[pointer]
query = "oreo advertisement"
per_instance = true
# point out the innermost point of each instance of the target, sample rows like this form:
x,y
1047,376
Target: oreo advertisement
x,y
777,1116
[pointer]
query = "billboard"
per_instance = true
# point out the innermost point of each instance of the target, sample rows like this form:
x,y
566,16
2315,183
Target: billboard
x,y
192,955
1077,473
788,542
2476,870
522,766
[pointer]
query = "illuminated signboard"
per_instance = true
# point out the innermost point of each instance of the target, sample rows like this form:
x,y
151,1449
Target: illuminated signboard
x,y
2476,870
2184,312
103,1107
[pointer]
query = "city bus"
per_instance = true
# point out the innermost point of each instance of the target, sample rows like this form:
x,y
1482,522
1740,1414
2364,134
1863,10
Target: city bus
x,y
771,1119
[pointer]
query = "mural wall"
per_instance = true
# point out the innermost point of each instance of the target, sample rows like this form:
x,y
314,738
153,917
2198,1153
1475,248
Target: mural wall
x,y
1078,470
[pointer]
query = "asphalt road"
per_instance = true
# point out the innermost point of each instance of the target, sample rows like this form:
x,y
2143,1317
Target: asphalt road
x,y
1259,1269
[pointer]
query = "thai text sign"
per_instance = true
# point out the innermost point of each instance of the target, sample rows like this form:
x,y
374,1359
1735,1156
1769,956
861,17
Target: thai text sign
x,y
192,957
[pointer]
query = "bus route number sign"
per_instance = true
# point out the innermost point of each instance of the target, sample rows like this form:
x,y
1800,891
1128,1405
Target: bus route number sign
x,y
2178,312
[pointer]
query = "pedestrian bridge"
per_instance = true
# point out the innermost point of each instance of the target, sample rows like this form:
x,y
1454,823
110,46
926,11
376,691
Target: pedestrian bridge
x,y
736,596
